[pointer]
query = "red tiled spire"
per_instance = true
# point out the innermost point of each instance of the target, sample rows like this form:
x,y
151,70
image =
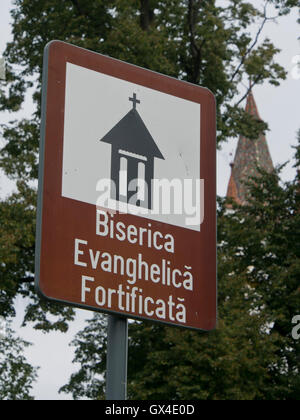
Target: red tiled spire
x,y
232,191
251,106
250,154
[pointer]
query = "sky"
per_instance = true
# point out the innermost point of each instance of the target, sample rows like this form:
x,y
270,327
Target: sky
x,y
278,106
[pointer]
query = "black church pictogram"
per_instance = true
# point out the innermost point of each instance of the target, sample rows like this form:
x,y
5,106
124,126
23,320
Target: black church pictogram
x,y
133,151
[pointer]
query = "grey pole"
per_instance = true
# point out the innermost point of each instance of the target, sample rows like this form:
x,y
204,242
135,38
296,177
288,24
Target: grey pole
x,y
117,353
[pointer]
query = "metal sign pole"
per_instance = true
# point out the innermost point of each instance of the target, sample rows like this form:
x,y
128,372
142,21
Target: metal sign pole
x,y
117,355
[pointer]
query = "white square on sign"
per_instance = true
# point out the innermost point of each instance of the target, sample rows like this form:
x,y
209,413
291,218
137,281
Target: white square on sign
x,y
98,109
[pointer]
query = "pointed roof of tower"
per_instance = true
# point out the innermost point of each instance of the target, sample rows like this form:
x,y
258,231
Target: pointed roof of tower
x,y
250,154
132,135
232,191
251,106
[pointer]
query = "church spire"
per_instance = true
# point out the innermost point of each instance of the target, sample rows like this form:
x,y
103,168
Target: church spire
x,y
232,191
251,107
250,154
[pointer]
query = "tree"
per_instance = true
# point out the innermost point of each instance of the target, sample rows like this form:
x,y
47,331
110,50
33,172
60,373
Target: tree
x,y
16,375
268,247
204,42
17,246
90,352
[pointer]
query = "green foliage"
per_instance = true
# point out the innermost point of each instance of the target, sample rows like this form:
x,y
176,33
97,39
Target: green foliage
x,y
283,6
265,242
17,249
17,237
203,42
21,143
88,381
16,375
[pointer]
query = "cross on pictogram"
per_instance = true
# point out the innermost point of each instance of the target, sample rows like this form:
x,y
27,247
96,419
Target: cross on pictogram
x,y
134,101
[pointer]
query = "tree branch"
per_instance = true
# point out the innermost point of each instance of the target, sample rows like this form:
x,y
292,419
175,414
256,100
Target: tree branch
x,y
196,50
191,23
77,6
147,15
27,280
237,70
252,84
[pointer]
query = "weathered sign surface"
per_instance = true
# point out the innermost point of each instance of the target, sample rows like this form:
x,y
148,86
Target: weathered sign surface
x,y
127,190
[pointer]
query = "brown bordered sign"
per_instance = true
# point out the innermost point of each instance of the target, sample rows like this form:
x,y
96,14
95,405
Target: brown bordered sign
x,y
104,120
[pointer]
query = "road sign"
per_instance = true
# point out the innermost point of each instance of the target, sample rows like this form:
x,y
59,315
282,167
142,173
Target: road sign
x,y
127,190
